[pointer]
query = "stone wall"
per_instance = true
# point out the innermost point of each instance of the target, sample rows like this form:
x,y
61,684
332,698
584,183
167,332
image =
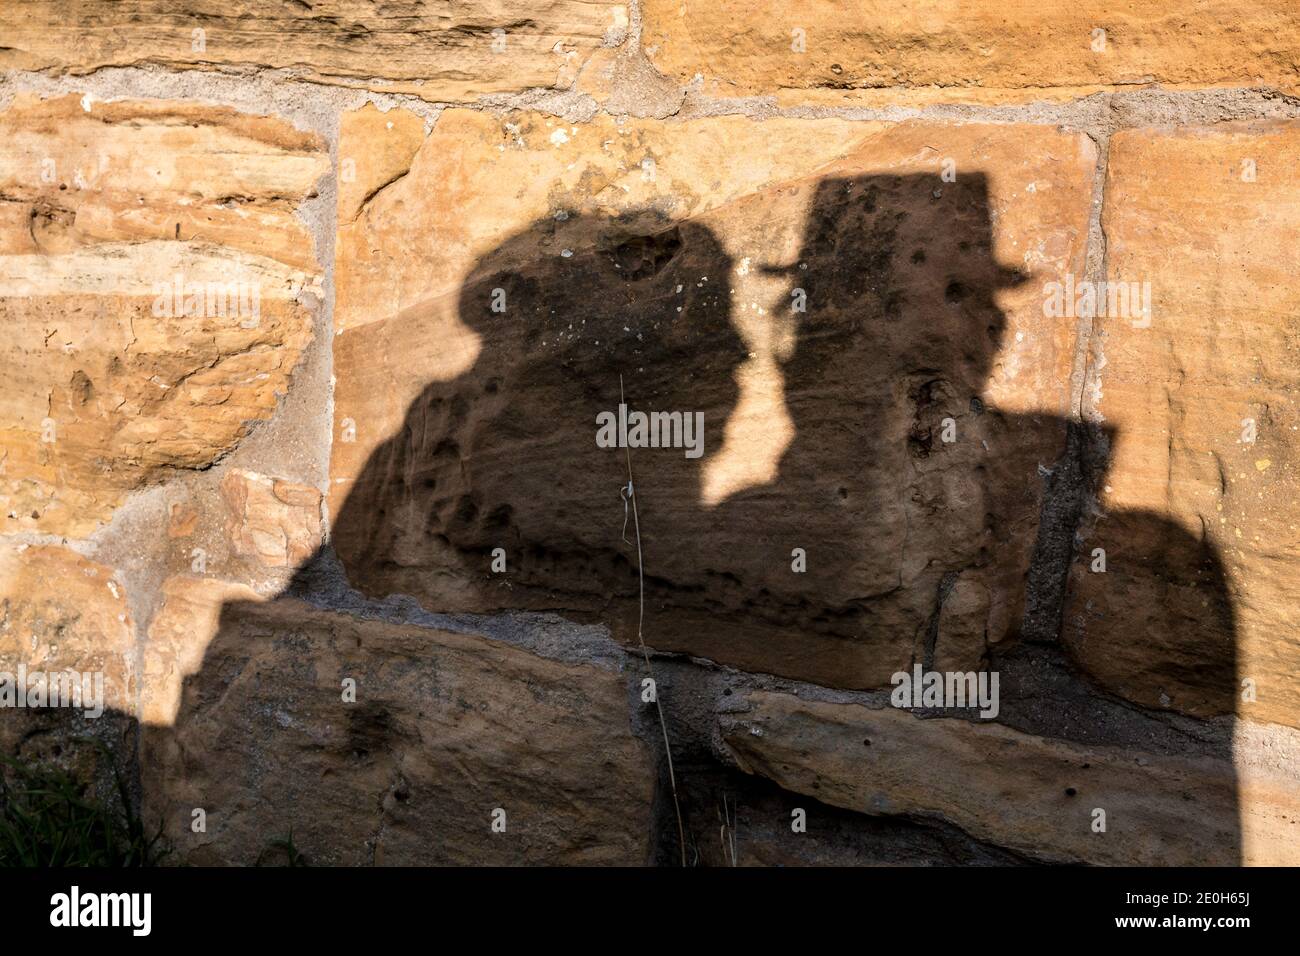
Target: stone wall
x,y
311,311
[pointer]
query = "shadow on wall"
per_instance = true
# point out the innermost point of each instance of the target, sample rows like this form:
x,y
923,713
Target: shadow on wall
x,y
917,549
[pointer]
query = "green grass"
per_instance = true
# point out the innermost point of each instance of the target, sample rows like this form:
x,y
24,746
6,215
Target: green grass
x,y
285,845
47,820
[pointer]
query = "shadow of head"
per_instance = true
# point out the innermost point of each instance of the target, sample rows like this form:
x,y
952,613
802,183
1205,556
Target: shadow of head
x,y
903,267
571,314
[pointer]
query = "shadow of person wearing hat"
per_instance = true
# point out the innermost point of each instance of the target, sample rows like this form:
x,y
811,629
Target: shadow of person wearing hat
x,y
899,525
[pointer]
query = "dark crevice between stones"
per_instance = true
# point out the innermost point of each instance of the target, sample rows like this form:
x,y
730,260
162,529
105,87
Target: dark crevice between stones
x,y
760,814
1065,488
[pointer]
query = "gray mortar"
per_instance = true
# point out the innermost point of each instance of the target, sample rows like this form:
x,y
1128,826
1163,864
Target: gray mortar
x,y
295,442
323,584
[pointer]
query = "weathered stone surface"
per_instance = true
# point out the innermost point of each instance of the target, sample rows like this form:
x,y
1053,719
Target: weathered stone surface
x,y
59,612
379,149
132,170
439,50
181,520
623,82
150,270
273,522
956,49
854,308
737,819
1029,794
66,624
446,728
664,260
1197,520
178,638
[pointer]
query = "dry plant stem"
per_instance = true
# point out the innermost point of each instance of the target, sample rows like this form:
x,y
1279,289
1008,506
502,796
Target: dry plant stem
x,y
645,654
727,832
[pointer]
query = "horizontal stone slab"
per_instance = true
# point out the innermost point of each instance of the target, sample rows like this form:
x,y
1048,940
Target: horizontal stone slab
x,y
443,729
1030,794
825,52
441,51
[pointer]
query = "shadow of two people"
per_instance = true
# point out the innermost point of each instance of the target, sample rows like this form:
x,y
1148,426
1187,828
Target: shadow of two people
x,y
915,502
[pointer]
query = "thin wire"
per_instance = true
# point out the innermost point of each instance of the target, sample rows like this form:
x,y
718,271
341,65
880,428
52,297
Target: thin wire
x,y
629,494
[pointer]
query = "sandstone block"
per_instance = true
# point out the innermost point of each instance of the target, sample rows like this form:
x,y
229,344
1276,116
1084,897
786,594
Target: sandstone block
x,y
1197,510
834,299
445,729
442,51
178,638
986,51
150,283
1030,794
274,522
60,612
